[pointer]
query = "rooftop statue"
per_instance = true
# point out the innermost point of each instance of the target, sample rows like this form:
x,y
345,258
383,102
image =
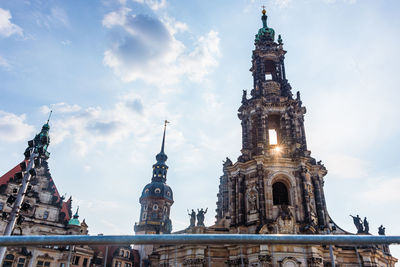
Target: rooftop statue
x,y
200,216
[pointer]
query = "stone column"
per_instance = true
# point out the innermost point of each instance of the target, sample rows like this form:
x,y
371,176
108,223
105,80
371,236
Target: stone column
x,y
318,201
241,200
261,196
306,196
233,210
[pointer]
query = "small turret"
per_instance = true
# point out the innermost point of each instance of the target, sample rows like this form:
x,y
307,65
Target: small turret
x,y
75,219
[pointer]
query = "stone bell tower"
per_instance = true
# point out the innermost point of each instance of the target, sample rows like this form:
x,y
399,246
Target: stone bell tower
x,y
275,186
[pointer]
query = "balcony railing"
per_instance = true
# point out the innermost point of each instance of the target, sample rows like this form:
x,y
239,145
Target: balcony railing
x,y
174,239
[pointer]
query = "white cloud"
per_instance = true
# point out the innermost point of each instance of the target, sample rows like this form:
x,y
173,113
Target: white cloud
x,y
153,4
13,127
54,17
95,125
346,166
116,18
58,14
198,62
282,3
66,42
384,191
6,27
147,49
345,1
60,108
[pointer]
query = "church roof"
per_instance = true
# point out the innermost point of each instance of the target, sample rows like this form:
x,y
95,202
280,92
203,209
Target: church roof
x,y
66,205
10,174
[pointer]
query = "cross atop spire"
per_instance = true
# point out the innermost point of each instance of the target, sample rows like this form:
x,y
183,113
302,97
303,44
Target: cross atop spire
x,y
163,140
49,116
162,157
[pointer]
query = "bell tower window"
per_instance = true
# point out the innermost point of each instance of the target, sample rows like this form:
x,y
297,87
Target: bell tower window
x,y
280,194
273,137
270,70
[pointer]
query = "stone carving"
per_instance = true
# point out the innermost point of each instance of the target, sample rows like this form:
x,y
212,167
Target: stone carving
x,y
252,199
289,262
238,262
194,262
284,212
381,230
362,226
285,221
366,225
314,262
200,216
192,216
265,260
358,223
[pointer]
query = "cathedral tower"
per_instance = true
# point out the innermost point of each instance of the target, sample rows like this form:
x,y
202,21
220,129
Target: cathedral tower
x,y
275,187
156,199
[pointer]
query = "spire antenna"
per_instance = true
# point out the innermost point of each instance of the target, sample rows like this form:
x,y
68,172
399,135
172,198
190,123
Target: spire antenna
x,y
51,111
163,140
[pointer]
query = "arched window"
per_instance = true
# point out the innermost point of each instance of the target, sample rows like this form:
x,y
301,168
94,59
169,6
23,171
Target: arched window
x,y
280,194
8,261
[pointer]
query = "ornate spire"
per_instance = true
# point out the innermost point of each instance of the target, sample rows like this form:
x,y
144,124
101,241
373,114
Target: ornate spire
x,y
75,220
76,215
162,156
265,33
160,168
41,142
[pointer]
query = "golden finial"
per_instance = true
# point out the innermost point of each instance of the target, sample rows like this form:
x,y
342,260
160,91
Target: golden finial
x,y
263,11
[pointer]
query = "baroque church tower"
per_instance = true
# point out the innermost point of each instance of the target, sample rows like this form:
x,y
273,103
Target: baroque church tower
x,y
275,187
156,199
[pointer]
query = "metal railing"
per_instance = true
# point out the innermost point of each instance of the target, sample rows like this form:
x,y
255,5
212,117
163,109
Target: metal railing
x,y
175,239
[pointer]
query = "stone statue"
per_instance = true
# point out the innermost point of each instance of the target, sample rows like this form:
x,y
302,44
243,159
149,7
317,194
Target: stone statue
x,y
358,223
252,198
200,216
244,96
167,226
192,216
366,225
381,230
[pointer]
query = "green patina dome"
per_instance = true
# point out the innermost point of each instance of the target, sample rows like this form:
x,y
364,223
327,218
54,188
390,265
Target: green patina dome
x,y
75,219
265,33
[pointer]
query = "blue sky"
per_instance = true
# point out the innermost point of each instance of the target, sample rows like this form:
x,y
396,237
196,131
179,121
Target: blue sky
x,y
112,71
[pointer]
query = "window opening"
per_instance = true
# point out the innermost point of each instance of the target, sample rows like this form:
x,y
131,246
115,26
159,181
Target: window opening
x,y
273,137
8,261
75,260
21,262
280,194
